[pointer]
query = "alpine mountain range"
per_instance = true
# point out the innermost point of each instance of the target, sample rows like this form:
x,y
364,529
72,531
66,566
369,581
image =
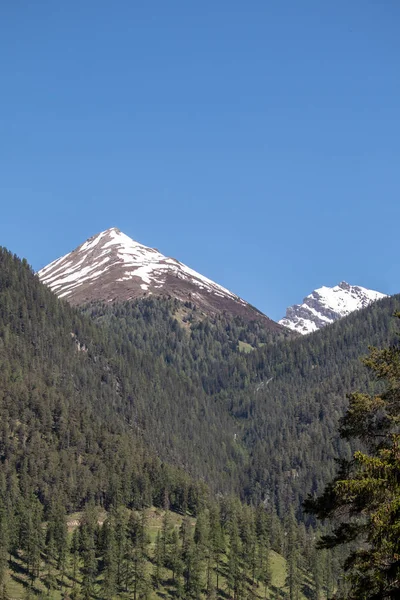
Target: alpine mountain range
x,y
111,266
137,395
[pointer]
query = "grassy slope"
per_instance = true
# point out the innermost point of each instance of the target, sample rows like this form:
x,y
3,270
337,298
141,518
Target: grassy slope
x,y
17,581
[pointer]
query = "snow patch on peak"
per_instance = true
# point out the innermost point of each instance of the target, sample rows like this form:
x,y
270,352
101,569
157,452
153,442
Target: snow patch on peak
x,y
122,259
326,305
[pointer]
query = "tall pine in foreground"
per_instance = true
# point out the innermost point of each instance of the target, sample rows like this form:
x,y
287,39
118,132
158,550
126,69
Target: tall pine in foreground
x,y
364,497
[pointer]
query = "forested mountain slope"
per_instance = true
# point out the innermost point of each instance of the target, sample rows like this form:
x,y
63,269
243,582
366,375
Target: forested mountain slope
x,y
208,351
285,398
84,417
93,406
145,402
290,418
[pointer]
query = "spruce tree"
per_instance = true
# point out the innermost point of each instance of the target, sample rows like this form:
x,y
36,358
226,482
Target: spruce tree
x,y
175,558
264,572
31,534
157,561
249,543
137,542
192,569
293,573
177,566
317,574
57,538
75,554
234,565
109,584
217,542
120,516
365,494
4,548
263,526
88,528
89,566
166,532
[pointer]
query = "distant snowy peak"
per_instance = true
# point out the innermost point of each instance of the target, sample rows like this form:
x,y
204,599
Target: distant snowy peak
x,y
326,305
111,266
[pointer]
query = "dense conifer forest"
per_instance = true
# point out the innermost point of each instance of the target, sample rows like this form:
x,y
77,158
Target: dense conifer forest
x,y
115,412
284,398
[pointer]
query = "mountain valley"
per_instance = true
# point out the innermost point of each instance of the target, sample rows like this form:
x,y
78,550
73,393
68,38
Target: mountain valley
x,y
117,393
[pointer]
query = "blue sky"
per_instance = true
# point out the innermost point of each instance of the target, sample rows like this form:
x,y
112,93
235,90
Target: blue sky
x,y
258,142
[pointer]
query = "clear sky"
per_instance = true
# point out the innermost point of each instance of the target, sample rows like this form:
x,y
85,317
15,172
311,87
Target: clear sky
x,y
258,142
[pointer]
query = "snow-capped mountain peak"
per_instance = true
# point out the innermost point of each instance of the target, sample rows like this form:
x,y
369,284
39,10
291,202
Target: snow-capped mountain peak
x,y
113,249
326,305
112,266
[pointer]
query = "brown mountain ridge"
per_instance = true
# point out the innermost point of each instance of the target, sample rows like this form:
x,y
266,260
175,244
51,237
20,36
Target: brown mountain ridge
x,y
110,266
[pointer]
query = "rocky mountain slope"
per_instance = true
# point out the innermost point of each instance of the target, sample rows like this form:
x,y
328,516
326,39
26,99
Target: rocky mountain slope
x,y
111,266
326,305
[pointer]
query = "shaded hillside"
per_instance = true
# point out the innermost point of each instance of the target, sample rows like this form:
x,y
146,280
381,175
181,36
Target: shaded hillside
x,y
285,397
197,347
81,420
290,417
